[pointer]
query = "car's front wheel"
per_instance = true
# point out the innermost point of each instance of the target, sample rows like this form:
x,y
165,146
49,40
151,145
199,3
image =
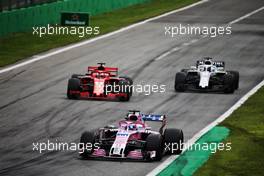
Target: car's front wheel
x,y
73,90
154,143
87,144
236,78
229,84
125,88
173,141
180,81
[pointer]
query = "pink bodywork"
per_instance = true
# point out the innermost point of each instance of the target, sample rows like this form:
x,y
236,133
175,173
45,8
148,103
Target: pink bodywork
x,y
132,128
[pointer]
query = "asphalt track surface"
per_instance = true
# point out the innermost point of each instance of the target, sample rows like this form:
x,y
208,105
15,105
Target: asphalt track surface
x,y
34,107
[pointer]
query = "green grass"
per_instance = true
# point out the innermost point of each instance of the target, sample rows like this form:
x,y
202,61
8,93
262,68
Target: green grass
x,y
247,138
22,45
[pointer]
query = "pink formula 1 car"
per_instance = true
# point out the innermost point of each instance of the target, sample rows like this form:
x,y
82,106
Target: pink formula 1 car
x,y
132,139
100,83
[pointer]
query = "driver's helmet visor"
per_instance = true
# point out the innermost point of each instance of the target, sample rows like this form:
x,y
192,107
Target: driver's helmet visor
x,y
100,75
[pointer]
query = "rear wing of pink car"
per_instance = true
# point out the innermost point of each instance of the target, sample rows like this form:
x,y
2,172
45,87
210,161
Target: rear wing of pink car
x,y
155,118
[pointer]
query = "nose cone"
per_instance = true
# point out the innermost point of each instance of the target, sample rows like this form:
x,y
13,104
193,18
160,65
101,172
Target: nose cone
x,y
98,86
204,79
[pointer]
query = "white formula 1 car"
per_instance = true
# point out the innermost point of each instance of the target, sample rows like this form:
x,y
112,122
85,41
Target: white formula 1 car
x,y
207,75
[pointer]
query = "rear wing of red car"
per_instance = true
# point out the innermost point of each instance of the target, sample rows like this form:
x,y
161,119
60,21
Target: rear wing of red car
x,y
112,70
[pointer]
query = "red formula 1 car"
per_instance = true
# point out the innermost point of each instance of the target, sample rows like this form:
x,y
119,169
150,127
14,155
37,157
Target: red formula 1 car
x,y
132,139
100,82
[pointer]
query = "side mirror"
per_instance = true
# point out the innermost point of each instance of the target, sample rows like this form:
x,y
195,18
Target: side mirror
x,y
148,128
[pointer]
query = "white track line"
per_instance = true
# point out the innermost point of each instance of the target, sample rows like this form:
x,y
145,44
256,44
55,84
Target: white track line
x,y
204,36
242,100
167,53
169,160
95,39
163,56
247,15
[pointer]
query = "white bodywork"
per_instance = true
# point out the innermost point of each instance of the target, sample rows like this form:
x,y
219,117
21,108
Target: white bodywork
x,y
204,79
205,71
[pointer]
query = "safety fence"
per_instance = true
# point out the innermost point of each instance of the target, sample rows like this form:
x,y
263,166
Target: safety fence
x,y
24,19
6,5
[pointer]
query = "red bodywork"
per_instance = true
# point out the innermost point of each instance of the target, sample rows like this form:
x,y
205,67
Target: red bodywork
x,y
93,83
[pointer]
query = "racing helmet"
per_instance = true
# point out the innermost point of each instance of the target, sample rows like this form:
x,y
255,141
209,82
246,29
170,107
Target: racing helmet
x,y
133,117
207,62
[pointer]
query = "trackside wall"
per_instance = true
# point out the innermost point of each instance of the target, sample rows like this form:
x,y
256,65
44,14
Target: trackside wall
x,y
24,19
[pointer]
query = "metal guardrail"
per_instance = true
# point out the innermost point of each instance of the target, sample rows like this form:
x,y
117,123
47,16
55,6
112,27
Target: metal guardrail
x,y
7,5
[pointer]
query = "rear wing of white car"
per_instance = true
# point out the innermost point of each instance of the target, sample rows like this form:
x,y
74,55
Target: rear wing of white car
x,y
218,64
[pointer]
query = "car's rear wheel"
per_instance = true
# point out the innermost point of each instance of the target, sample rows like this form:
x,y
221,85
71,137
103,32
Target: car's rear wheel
x,y
173,141
73,91
180,81
154,143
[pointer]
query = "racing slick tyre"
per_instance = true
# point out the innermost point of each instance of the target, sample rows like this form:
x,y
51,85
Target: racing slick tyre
x,y
184,70
124,87
154,143
75,75
128,79
180,81
130,82
229,83
125,98
173,140
236,78
73,85
87,139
